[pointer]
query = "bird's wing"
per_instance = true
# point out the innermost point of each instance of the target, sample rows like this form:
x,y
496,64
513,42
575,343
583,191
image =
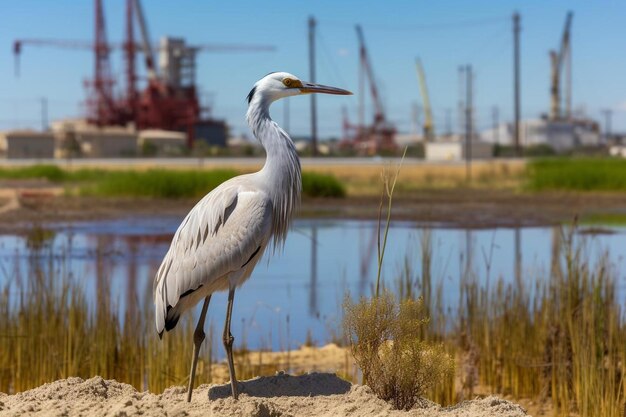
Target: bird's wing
x,y
220,235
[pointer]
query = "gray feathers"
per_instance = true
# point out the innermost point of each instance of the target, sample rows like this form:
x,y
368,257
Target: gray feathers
x,y
219,243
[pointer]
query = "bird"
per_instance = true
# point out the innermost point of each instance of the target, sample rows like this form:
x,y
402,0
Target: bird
x,y
222,238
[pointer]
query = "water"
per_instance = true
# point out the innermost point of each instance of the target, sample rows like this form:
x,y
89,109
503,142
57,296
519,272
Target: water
x,y
300,292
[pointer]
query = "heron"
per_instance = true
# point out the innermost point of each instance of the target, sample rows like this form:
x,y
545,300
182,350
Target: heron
x,y
220,241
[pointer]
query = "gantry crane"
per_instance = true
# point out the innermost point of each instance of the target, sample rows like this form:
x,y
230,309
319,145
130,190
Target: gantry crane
x,y
169,101
558,60
429,127
379,136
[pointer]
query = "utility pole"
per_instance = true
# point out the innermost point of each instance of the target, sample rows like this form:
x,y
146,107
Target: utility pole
x,y
568,73
516,82
448,123
608,114
468,123
312,78
518,256
495,117
461,103
44,114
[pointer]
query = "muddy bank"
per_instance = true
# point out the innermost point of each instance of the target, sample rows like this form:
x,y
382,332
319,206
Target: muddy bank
x,y
453,208
313,394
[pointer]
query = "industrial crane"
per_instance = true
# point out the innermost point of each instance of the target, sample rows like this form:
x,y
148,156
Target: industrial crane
x,y
379,136
429,128
169,100
558,60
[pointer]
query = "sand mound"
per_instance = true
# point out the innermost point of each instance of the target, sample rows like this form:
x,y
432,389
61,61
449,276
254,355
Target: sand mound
x,y
315,394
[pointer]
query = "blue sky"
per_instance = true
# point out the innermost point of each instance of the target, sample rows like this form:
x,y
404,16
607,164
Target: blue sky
x,y
395,31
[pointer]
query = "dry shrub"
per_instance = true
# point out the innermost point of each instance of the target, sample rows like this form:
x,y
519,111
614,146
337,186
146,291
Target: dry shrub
x,y
385,340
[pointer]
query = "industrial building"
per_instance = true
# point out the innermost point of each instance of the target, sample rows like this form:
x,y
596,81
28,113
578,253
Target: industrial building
x,y
26,144
156,142
107,143
78,138
457,150
560,135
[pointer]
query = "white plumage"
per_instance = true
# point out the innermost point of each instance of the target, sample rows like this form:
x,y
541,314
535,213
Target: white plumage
x,y
219,243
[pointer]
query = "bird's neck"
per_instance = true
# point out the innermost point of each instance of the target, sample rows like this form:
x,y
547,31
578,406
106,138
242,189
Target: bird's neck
x,y
281,172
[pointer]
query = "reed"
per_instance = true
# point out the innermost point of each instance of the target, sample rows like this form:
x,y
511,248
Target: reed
x,y
51,330
563,343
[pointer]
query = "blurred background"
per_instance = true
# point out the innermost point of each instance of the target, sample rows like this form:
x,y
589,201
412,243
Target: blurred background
x,y
436,72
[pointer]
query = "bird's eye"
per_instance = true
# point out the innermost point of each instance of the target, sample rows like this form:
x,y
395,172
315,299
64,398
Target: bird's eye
x,y
287,82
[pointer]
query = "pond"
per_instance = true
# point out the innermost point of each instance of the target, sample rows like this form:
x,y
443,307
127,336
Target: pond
x,y
298,294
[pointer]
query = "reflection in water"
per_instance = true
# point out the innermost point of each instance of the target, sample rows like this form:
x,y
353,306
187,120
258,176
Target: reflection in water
x,y
557,246
313,308
518,257
120,257
368,239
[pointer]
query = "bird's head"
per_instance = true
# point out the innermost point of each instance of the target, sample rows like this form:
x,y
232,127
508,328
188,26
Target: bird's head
x,y
278,85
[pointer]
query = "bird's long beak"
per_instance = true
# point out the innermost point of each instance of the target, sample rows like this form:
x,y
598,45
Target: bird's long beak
x,y
318,88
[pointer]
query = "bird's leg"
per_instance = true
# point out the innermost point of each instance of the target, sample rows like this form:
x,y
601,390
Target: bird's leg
x,y
228,344
198,338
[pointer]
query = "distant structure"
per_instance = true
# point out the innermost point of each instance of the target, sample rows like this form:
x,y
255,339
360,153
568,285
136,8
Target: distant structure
x,y
429,125
560,129
77,138
558,60
457,151
156,142
26,144
560,135
169,101
379,136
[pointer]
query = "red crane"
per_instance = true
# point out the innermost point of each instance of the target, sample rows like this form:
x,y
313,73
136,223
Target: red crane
x,y
379,136
169,100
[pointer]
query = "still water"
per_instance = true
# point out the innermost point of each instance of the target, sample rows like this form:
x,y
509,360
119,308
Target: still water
x,y
299,292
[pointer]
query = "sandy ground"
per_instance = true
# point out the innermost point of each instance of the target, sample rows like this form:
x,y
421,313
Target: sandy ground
x,y
315,394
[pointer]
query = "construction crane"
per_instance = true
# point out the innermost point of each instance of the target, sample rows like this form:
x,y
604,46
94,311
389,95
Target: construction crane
x,y
558,60
429,128
379,136
169,100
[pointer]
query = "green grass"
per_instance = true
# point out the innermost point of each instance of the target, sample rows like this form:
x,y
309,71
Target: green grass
x,y
604,219
322,185
577,174
49,172
157,183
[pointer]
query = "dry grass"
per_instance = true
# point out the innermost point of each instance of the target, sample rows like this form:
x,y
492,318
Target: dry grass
x,y
364,180
385,339
561,341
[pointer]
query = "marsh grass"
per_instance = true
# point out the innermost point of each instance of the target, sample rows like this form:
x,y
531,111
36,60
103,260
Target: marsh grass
x,y
561,340
49,172
51,329
156,183
577,174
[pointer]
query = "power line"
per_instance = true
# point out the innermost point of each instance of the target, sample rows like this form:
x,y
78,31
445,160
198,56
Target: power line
x,y
333,65
459,24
